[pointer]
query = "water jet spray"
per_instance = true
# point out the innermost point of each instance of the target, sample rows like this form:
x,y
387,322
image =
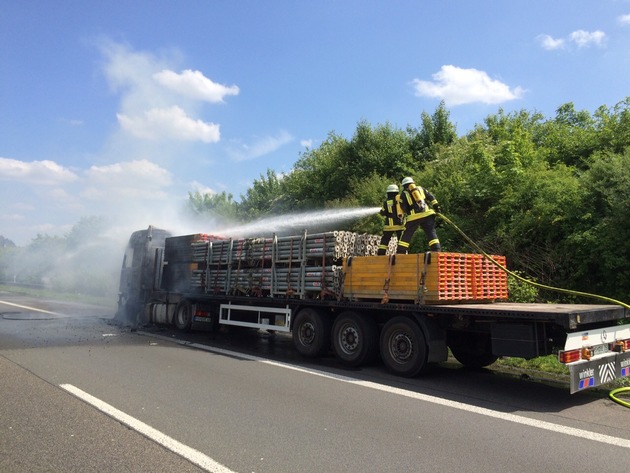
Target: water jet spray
x,y
305,220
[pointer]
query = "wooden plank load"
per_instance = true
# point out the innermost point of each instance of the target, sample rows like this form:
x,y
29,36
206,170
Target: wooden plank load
x,y
179,259
336,264
302,266
425,278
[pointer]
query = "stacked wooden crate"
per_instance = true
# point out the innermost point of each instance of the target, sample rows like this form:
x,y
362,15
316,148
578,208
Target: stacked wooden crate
x,y
426,278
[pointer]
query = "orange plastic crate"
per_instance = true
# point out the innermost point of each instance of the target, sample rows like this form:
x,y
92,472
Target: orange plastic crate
x,y
447,278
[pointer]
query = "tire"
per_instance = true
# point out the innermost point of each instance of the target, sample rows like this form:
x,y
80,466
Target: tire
x,y
311,332
473,350
355,339
183,315
403,347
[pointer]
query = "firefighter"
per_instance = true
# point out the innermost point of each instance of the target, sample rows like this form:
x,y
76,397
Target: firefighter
x,y
414,202
394,224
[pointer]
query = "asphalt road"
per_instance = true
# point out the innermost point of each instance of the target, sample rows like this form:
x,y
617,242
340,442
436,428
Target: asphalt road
x,y
79,394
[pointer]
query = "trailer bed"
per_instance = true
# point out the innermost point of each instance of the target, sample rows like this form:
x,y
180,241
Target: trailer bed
x,y
569,316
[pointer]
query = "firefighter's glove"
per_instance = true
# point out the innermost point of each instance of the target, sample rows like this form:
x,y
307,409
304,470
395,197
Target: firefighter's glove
x,y
437,209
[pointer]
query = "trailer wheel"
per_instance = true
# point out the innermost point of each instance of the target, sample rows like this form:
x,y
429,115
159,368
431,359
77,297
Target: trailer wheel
x,y
355,339
183,315
403,347
473,350
311,332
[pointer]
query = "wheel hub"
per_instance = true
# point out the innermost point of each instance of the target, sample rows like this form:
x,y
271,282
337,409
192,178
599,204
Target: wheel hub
x,y
307,334
349,338
401,347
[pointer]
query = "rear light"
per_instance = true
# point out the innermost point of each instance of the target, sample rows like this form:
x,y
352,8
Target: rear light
x,y
586,353
569,356
620,346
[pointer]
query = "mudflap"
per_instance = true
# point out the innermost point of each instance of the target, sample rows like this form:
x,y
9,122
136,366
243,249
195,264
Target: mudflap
x,y
589,374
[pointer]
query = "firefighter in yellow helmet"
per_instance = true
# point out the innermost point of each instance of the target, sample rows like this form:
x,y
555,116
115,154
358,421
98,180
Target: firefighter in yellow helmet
x,y
419,207
393,219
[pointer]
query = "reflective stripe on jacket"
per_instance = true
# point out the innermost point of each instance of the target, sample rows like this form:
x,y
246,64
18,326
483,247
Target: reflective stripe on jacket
x,y
392,221
417,209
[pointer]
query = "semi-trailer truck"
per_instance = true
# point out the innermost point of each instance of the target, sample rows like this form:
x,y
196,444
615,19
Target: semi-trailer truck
x,y
330,291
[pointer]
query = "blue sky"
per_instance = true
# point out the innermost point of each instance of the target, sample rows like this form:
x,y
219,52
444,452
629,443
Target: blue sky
x,y
119,109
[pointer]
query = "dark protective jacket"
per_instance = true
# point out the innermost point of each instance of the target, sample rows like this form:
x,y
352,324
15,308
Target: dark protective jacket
x,y
413,201
393,221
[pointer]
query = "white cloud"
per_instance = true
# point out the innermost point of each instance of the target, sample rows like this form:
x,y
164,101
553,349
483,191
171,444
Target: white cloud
x,y
306,143
585,38
579,38
169,123
140,178
60,196
157,103
549,43
261,147
12,217
195,85
624,19
35,172
130,73
201,188
44,197
457,86
72,122
23,206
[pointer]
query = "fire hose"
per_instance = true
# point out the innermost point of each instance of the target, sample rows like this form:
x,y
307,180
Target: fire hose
x,y
613,395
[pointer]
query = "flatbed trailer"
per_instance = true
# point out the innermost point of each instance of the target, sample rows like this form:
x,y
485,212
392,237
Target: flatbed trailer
x,y
406,309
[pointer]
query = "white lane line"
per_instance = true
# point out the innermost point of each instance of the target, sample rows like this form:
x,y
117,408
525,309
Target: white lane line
x,y
31,308
539,424
173,445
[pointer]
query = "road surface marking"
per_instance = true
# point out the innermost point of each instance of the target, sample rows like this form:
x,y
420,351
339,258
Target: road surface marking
x,y
539,424
32,308
173,445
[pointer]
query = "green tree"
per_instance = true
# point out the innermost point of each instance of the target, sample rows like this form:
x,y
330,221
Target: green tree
x,y
86,230
218,206
35,263
613,126
368,192
8,263
319,175
265,196
382,150
6,243
325,174
570,138
600,241
436,131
